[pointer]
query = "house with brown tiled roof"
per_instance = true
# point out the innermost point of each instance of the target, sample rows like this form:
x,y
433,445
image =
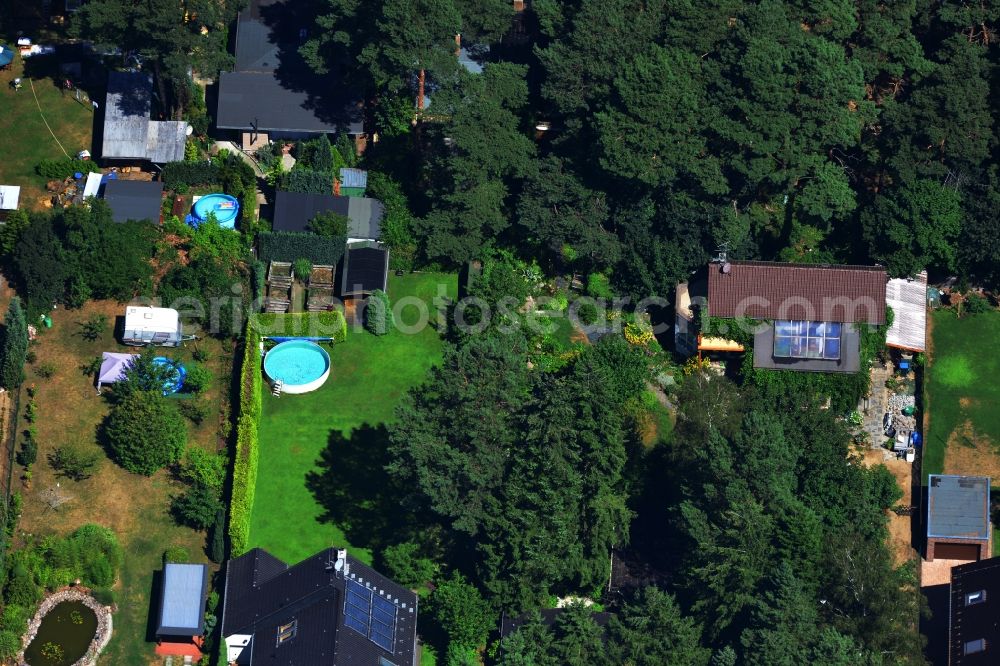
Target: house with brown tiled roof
x,y
802,317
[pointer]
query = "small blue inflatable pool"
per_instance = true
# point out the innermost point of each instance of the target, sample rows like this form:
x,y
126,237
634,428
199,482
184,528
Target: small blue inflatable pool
x,y
176,381
224,207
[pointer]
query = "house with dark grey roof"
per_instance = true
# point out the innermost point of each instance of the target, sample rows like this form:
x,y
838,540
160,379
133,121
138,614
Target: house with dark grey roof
x,y
180,622
128,132
974,614
293,211
327,610
958,517
272,92
134,200
801,317
364,268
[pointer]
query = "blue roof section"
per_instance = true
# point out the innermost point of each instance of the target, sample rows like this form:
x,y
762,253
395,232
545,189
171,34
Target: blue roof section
x,y
958,507
182,606
354,178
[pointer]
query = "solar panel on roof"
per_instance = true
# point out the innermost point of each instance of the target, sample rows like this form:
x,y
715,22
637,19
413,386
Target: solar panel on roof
x,y
370,615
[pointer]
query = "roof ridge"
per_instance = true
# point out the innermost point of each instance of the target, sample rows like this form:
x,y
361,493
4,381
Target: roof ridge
x,y
790,264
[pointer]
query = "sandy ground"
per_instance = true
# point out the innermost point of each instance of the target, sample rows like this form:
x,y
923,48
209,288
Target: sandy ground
x,y
937,572
899,526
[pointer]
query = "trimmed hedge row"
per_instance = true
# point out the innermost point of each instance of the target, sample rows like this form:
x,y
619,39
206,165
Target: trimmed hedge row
x,y
303,324
65,168
247,449
289,246
191,173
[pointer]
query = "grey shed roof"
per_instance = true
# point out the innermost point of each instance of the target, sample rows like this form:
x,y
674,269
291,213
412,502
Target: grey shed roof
x,y
908,299
958,507
354,178
126,115
134,200
182,602
128,131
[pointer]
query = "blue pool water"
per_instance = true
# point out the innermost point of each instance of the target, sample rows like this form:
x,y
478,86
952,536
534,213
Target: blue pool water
x,y
176,382
296,362
225,208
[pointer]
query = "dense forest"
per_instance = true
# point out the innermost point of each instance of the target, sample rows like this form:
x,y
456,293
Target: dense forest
x,y
847,131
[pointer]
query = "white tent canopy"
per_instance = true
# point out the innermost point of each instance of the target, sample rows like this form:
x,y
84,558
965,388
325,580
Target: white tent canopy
x,y
113,366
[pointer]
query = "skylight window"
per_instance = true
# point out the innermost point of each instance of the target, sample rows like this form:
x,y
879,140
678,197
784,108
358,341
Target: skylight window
x,y
286,632
977,597
975,647
807,339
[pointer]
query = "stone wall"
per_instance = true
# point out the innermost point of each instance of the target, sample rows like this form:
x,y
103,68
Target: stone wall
x,y
101,636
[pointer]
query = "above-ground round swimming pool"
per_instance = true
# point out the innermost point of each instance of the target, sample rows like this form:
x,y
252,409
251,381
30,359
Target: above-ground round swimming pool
x,y
300,365
225,208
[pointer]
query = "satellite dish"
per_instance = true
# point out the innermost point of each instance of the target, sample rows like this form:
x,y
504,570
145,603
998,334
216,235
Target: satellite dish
x,y
189,131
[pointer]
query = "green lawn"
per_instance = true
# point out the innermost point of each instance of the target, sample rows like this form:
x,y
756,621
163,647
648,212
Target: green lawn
x,y
331,443
27,140
961,382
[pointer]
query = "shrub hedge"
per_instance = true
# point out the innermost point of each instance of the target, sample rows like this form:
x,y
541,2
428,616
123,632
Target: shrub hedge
x,y
289,246
191,173
65,168
305,324
378,313
245,460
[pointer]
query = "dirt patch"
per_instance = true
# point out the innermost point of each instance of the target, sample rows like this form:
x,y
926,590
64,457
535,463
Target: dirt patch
x,y
966,402
937,572
971,452
899,526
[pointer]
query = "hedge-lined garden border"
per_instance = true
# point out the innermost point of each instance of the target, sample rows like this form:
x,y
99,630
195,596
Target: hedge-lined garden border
x,y
247,453
303,324
332,324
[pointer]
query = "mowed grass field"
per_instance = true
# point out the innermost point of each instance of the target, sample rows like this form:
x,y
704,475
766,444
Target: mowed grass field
x,y
27,141
963,395
321,453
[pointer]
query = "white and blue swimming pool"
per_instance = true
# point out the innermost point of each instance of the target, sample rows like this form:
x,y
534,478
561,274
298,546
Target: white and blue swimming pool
x,y
301,366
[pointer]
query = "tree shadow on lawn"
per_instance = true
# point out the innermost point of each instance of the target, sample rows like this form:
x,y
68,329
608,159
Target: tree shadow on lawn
x,y
356,492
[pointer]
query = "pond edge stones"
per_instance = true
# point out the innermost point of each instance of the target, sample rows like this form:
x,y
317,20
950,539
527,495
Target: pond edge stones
x,y
101,636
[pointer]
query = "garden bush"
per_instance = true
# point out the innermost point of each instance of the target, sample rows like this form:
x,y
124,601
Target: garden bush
x,y
289,246
191,173
977,304
28,453
599,286
308,181
197,506
145,432
301,268
378,313
64,168
200,466
587,312
198,378
13,345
